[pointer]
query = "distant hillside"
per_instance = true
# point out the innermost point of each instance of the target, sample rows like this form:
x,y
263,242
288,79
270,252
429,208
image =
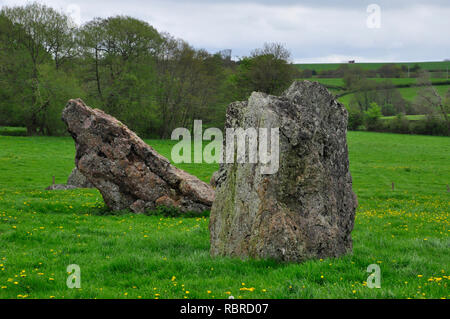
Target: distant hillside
x,y
430,66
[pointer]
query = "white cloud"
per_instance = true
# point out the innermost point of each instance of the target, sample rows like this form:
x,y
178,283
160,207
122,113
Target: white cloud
x,y
312,32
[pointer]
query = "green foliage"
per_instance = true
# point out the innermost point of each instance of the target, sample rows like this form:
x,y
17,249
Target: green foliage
x,y
150,81
267,70
54,90
399,124
355,119
388,109
372,116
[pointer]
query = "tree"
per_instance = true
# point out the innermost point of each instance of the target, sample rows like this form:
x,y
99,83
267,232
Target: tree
x,y
34,28
151,81
15,72
267,70
352,76
92,46
428,99
277,50
55,89
372,115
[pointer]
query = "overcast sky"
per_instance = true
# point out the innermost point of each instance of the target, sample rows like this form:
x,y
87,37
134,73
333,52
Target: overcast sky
x,y
314,31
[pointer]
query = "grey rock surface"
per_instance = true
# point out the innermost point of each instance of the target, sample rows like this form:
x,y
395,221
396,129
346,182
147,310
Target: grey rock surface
x,y
128,172
307,208
79,180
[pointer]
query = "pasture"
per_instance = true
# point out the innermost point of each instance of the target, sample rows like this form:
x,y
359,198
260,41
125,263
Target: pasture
x,y
123,255
429,66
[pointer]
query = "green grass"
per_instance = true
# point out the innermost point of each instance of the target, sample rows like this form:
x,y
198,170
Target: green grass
x,y
395,81
408,93
123,255
409,117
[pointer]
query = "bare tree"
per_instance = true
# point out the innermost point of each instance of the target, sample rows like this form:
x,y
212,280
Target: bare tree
x,y
278,51
429,99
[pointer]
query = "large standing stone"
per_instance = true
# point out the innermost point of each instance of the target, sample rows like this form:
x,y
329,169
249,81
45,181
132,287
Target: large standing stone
x,y
306,209
128,172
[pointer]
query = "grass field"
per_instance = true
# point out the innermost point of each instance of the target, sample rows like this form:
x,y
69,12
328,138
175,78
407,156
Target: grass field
x,y
405,232
430,66
395,81
408,93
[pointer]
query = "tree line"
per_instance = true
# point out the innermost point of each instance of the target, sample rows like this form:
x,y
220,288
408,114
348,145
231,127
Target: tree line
x,y
388,70
148,79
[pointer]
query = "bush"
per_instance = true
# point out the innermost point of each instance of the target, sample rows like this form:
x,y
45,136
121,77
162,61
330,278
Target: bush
x,y
399,125
372,116
355,119
388,109
431,125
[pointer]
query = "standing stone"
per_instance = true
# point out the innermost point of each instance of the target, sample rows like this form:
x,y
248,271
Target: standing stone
x,y
307,208
79,180
128,173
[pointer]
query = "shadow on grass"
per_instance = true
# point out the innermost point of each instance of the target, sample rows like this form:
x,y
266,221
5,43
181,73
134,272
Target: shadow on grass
x,y
13,131
162,211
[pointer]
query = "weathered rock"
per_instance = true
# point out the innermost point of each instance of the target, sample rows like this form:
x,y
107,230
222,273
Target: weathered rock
x,y
307,208
79,180
128,172
215,178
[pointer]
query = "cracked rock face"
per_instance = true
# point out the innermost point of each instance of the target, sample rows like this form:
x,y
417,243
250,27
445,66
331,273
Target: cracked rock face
x,y
127,172
307,208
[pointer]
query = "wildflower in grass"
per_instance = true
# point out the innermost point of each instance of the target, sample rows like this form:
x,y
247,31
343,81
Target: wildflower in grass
x,y
173,278
209,291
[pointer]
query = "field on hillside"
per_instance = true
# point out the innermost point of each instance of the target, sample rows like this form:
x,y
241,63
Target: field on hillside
x,y
408,93
430,66
122,255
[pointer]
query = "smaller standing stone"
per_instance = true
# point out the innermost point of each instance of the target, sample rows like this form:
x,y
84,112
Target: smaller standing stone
x,y
79,180
129,173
